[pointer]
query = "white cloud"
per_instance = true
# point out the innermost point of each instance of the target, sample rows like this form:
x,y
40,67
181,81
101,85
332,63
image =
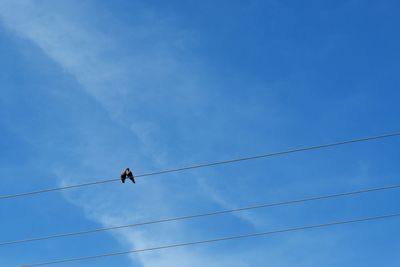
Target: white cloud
x,y
143,89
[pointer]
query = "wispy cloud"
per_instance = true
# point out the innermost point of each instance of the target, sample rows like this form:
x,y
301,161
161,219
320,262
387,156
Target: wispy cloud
x,y
144,88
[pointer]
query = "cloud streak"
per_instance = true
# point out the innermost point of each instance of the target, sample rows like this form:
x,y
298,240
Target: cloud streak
x,y
145,89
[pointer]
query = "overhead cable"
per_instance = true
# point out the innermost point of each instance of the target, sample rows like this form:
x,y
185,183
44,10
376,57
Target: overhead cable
x,y
273,154
226,238
259,206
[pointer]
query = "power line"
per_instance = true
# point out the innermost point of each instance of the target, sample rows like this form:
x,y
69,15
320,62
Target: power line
x,y
216,240
273,154
268,205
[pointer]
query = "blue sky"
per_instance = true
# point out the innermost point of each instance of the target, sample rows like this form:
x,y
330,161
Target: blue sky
x,y
91,87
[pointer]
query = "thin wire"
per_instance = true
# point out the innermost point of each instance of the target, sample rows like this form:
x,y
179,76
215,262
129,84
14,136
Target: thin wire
x,y
289,202
290,151
217,240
